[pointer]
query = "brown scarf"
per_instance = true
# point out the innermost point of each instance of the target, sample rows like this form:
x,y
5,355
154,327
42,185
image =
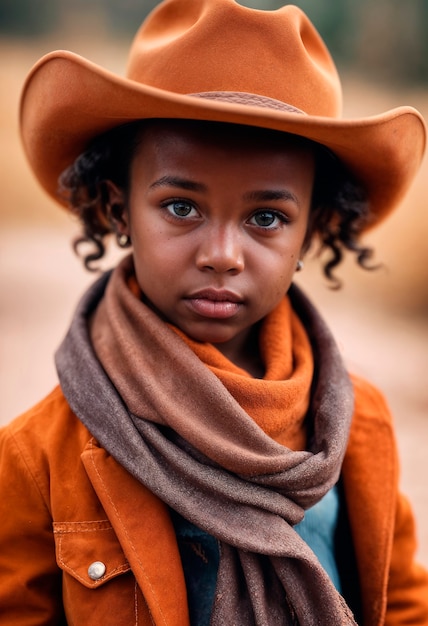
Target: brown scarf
x,y
213,463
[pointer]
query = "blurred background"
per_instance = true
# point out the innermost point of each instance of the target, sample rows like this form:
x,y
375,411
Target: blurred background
x,y
379,318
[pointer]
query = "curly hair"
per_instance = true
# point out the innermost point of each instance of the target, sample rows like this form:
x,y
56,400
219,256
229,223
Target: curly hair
x,y
339,213
83,186
339,210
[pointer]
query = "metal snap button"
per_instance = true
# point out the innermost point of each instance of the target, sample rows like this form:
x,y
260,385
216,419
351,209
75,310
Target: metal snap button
x,y
96,570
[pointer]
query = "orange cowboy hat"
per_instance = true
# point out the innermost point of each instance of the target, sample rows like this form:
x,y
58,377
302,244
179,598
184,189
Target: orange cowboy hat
x,y
219,61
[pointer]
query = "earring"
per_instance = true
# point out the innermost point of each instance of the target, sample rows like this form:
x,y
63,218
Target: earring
x,y
299,265
123,241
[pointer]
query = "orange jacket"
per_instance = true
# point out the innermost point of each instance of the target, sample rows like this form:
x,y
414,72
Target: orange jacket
x,y
54,477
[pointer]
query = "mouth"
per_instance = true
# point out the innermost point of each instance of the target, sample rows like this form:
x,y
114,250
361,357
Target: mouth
x,y
214,303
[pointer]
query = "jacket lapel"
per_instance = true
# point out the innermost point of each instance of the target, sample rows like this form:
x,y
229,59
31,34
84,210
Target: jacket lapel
x,y
143,526
370,474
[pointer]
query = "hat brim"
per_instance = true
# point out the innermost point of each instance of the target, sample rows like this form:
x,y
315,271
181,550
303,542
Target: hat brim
x,y
68,100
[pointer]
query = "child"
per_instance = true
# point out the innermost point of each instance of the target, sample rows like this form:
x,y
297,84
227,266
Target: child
x,y
206,458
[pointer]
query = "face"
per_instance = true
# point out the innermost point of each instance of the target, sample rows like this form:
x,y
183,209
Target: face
x,y
217,222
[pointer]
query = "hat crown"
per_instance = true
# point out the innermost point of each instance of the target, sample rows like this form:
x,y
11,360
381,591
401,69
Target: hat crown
x,y
193,46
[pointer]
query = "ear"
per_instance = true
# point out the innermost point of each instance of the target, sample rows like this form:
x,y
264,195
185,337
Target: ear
x,y
117,211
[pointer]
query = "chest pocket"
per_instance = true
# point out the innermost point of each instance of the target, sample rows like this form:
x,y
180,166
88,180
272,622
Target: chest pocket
x,y
98,584
89,551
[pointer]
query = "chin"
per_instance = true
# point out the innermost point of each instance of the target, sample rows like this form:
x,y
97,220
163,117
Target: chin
x,y
215,336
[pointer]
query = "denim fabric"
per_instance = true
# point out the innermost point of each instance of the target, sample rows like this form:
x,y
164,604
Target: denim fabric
x,y
200,555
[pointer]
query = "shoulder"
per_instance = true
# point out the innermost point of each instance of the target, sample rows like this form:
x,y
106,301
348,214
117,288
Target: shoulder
x,y
46,421
370,402
45,437
372,428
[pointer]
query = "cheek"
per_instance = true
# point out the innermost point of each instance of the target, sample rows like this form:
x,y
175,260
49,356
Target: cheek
x,y
274,277
157,266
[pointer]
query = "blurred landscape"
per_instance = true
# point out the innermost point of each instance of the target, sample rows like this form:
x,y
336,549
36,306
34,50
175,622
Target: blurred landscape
x,y
379,318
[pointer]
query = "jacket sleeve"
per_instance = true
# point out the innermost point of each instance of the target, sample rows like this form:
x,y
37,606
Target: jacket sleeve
x,y
30,580
408,581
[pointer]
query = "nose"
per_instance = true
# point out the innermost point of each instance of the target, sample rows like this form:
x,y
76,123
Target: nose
x,y
220,250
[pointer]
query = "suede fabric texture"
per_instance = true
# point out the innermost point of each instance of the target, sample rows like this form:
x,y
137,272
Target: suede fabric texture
x,y
67,503
216,60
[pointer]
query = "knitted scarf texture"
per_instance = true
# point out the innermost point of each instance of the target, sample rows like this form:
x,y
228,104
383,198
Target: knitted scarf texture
x,y
192,429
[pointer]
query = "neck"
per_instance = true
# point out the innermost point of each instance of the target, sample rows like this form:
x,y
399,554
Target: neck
x,y
244,352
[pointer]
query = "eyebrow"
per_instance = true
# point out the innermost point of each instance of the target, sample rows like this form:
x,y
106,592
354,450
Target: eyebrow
x,y
262,195
176,181
267,195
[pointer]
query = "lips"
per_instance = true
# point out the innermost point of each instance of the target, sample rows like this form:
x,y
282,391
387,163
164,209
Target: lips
x,y
216,295
214,303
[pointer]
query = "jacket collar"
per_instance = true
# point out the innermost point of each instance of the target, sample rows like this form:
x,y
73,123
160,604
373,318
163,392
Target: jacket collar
x,y
144,528
370,476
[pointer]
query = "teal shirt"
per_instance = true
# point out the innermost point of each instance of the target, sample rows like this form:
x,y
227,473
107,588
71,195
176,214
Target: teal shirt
x,y
318,529
200,554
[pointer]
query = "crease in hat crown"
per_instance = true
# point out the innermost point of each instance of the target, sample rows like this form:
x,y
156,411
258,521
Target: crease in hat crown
x,y
216,60
193,46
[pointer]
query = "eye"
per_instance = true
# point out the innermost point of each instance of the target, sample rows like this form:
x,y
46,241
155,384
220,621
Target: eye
x,y
268,219
180,208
